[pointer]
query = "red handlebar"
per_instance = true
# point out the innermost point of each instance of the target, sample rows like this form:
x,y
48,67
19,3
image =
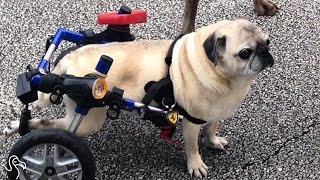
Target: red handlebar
x,y
113,18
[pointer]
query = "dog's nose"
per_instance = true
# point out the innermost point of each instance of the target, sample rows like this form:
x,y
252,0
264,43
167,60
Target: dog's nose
x,y
265,56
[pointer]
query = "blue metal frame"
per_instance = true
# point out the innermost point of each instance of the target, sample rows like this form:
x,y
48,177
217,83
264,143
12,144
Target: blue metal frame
x,y
62,34
102,68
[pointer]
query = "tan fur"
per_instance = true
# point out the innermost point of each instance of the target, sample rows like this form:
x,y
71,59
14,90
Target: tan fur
x,y
206,91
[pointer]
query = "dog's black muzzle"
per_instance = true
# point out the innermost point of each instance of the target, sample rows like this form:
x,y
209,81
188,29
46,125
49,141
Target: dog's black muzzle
x,y
265,57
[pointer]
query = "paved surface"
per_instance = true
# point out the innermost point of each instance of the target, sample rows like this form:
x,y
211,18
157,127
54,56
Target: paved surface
x,y
274,135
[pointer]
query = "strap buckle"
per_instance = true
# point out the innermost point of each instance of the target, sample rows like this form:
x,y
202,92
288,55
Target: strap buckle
x,y
169,103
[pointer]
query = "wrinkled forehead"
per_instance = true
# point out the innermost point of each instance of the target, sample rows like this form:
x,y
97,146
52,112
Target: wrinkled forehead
x,y
252,31
247,34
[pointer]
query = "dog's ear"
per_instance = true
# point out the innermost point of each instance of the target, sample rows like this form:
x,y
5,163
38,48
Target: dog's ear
x,y
214,47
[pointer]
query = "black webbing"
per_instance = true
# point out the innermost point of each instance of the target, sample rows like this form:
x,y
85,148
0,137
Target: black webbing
x,y
164,88
170,51
154,90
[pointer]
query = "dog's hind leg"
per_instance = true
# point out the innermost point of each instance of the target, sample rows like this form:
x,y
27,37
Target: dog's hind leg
x,y
13,127
91,123
38,123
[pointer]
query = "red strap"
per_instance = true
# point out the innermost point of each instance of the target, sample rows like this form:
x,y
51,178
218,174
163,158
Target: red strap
x,y
165,134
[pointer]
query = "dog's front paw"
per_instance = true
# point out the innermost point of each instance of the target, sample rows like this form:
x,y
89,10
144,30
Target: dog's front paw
x,y
196,167
217,142
11,129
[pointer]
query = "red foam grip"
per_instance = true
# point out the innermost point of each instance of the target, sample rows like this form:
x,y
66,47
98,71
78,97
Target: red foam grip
x,y
113,18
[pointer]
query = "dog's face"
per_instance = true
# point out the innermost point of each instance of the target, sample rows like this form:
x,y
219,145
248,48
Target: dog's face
x,y
238,48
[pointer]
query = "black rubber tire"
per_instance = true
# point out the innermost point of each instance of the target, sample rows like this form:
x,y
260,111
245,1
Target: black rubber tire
x,y
60,137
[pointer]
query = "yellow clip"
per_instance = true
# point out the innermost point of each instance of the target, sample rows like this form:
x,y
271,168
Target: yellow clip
x,y
173,117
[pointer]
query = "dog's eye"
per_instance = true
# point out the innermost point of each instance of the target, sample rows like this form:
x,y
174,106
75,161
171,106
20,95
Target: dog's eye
x,y
245,53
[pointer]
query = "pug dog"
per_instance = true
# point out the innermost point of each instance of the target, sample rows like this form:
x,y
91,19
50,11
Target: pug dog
x,y
211,71
262,7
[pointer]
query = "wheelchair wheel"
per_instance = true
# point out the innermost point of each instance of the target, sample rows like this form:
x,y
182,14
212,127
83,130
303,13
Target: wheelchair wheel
x,y
51,154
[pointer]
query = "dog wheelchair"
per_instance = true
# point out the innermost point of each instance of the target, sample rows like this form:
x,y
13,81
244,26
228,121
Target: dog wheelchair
x,y
57,153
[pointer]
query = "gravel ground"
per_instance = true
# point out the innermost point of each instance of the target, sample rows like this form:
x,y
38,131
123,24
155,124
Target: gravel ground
x,y
274,134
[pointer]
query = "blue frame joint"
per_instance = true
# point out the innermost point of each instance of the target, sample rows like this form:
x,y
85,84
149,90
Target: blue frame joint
x,y
64,34
35,80
43,64
72,36
128,102
57,38
82,110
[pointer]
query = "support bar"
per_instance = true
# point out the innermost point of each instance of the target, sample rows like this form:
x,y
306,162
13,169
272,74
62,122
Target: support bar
x,y
61,34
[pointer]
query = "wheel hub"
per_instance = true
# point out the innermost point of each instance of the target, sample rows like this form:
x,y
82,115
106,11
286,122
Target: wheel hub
x,y
50,171
51,161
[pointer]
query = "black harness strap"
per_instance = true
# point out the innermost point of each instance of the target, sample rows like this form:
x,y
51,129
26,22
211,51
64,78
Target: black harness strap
x,y
170,51
64,53
164,89
192,119
153,91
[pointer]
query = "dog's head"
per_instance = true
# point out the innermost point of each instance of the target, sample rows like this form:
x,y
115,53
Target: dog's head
x,y
237,48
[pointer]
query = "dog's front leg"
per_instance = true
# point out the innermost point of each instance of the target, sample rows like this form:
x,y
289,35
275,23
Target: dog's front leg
x,y
195,164
212,140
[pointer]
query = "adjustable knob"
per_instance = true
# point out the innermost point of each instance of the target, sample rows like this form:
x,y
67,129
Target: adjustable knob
x,y
104,65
